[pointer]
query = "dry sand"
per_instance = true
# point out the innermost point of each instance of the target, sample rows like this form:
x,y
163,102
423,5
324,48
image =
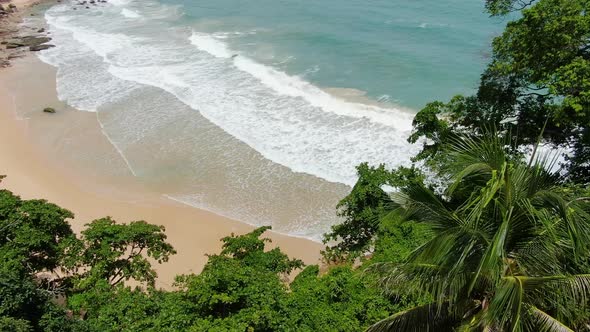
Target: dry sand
x,y
21,4
37,167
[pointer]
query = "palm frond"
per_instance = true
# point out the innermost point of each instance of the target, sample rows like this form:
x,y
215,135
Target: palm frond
x,y
492,260
479,169
443,283
504,235
575,287
429,317
540,255
466,151
540,321
506,306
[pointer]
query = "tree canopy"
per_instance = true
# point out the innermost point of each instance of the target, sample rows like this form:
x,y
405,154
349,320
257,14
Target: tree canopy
x,y
536,84
81,284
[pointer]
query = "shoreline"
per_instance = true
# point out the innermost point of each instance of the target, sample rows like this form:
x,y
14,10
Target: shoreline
x,y
12,14
35,170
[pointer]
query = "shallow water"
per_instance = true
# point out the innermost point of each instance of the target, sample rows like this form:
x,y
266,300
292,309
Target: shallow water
x,y
260,111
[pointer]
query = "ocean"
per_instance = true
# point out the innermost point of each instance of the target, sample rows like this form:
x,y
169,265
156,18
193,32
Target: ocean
x,y
260,110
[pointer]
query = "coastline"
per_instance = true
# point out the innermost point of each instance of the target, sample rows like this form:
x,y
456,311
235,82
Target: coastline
x,y
36,170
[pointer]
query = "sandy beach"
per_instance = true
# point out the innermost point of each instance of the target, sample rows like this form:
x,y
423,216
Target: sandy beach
x,y
24,3
34,156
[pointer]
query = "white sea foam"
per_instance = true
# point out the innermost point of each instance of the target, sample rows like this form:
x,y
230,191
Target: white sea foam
x,y
285,118
120,3
129,13
210,45
296,87
384,98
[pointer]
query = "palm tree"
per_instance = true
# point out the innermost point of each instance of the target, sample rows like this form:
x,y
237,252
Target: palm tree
x,y
509,247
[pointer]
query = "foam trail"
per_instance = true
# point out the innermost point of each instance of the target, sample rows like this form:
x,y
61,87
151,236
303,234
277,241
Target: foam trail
x,y
114,144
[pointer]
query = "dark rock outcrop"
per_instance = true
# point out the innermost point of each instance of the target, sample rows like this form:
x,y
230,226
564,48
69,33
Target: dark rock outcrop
x,y
27,41
40,47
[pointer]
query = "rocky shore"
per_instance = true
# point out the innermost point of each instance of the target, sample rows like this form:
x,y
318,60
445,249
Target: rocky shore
x,y
16,39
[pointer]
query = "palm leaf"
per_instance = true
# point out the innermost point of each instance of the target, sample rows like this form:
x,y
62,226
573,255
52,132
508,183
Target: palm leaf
x,y
575,287
503,235
429,317
540,321
506,306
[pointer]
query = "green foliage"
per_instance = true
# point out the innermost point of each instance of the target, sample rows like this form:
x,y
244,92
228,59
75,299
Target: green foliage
x,y
20,298
32,232
26,302
341,300
503,7
427,125
573,82
362,210
117,252
242,289
550,35
396,241
511,255
118,308
249,250
239,289
55,318
242,285
9,324
36,239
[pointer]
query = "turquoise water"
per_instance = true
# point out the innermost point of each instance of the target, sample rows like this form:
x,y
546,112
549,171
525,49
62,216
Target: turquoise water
x,y
261,110
407,52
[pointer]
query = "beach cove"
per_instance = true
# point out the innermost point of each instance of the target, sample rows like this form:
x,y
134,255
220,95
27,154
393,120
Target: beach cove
x,y
163,108
34,156
294,119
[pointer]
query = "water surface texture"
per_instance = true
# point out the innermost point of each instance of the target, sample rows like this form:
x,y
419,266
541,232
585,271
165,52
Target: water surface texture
x,y
260,110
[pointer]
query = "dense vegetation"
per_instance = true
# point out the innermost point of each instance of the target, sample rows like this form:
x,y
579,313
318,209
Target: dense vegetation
x,y
52,280
483,233
509,248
